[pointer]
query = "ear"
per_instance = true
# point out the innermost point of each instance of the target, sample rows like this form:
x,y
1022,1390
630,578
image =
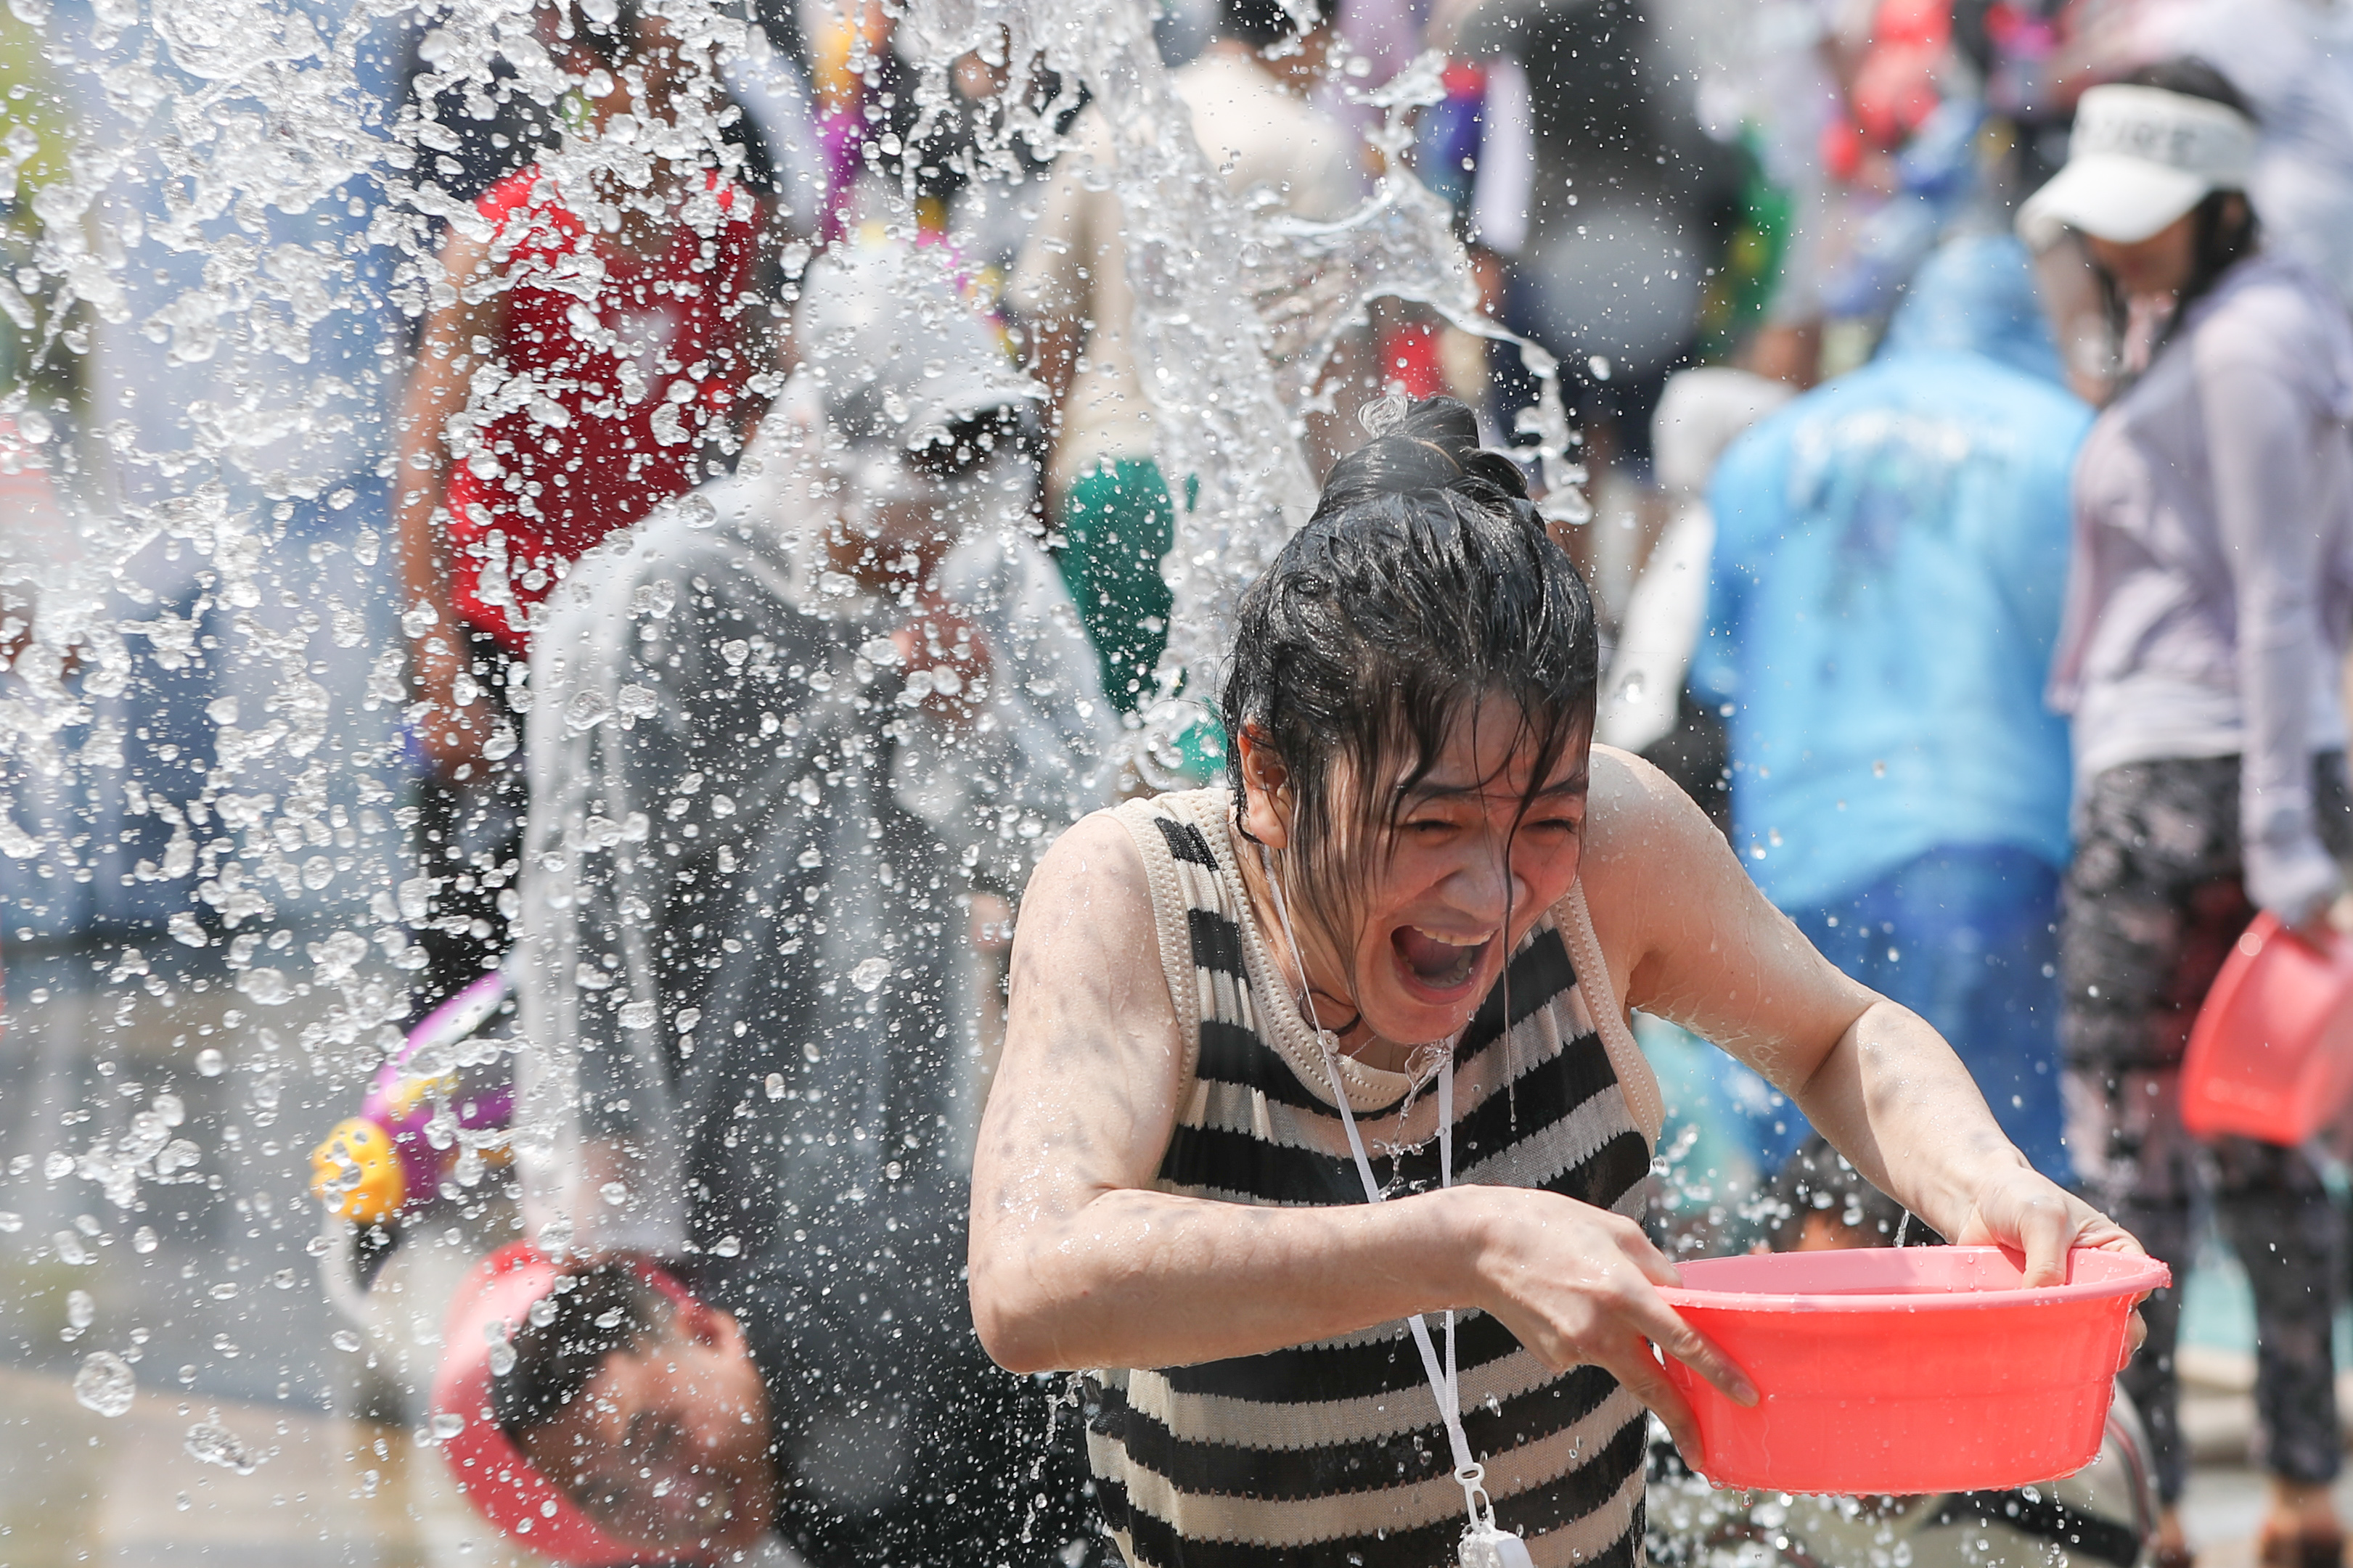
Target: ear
x,y
1266,790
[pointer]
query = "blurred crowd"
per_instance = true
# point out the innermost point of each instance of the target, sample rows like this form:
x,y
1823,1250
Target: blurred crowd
x,y
1964,389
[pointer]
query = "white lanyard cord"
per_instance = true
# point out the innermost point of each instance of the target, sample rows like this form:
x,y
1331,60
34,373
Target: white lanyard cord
x,y
1444,1384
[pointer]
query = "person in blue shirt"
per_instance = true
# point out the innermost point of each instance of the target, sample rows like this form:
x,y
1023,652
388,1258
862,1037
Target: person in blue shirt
x,y
1890,557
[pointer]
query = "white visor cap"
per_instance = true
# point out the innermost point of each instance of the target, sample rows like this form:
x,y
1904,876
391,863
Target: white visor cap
x,y
2139,158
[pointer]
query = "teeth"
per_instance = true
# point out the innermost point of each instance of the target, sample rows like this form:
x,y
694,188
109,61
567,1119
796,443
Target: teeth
x,y
1438,960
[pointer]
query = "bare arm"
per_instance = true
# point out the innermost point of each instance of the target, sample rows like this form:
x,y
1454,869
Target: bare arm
x,y
437,391
1076,1262
1053,357
1690,938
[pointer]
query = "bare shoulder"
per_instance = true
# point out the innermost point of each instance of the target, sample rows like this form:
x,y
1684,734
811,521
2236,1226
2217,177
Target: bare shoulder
x,y
1652,856
1089,891
1639,826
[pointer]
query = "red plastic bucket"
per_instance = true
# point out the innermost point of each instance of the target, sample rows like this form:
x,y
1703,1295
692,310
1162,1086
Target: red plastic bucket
x,y
1928,1368
2271,1056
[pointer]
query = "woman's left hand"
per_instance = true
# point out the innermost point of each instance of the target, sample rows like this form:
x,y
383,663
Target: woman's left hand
x,y
2028,1212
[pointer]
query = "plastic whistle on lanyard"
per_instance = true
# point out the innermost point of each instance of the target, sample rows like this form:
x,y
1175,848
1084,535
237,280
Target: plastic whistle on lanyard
x,y
1485,1543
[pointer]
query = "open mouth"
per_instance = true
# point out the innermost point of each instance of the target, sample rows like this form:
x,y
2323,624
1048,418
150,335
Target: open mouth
x,y
1434,962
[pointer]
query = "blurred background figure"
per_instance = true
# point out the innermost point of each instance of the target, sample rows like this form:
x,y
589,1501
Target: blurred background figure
x,y
537,421
968,182
1631,205
1886,592
1110,505
788,731
1647,705
2209,597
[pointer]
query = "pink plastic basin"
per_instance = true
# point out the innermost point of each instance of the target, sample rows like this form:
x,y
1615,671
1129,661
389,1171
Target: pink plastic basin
x,y
2271,1056
1928,1368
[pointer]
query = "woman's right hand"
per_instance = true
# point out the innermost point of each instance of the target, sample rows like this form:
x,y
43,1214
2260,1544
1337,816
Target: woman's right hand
x,y
1579,1286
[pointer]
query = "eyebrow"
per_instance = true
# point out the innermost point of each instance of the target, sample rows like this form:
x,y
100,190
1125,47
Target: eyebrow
x,y
1578,782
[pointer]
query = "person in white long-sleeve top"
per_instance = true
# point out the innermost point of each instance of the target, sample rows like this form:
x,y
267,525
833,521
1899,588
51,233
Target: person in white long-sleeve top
x,y
2210,598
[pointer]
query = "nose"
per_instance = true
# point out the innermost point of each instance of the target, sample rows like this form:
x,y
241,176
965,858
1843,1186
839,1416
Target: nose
x,y
1486,883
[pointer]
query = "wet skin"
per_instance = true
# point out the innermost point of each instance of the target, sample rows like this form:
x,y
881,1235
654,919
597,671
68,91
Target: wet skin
x,y
667,1449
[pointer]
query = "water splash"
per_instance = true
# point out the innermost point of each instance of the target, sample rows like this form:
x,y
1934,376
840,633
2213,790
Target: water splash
x,y
210,1443
1228,421
105,1384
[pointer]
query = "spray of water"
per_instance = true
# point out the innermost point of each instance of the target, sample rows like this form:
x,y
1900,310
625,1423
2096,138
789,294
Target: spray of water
x,y
201,737
1226,292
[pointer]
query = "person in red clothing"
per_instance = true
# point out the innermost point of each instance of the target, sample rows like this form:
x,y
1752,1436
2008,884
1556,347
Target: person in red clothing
x,y
588,349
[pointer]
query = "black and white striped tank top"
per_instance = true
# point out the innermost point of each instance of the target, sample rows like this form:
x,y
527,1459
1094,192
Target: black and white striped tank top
x,y
1331,1453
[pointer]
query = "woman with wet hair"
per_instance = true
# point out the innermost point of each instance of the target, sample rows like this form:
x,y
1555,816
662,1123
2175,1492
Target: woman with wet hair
x,y
1318,1094
2209,605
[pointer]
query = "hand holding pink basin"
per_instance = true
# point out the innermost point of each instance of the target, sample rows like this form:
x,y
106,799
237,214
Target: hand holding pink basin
x,y
1925,1369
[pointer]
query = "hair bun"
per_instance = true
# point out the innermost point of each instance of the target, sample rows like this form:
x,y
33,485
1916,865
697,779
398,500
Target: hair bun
x,y
1431,445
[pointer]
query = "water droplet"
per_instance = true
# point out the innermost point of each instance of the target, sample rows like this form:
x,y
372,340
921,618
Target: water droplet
x,y
268,987
182,1502
210,1443
447,1426
1878,769
170,1109
105,1384
143,1239
586,711
776,1085
343,1340
58,1166
11,1222
728,1247
70,1251
79,1309
209,1062
184,930
870,974
613,1193
501,1359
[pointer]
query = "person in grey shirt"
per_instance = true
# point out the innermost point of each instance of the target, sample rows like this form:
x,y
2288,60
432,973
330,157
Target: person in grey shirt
x,y
782,731
2209,595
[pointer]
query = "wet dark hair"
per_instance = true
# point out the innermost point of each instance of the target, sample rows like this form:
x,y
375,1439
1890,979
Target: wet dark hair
x,y
2226,228
1261,23
598,1309
1424,582
1817,1179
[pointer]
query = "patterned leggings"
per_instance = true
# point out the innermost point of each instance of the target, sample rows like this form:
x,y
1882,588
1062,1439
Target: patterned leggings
x,y
2153,902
